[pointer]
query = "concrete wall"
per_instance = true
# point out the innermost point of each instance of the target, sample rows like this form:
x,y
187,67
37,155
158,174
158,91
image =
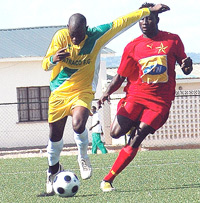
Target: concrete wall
x,y
26,72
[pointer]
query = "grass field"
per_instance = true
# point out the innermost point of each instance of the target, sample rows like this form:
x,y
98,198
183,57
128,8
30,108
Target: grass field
x,y
154,176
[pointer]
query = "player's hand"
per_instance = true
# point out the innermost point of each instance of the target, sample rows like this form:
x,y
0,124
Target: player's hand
x,y
187,65
101,101
60,55
159,8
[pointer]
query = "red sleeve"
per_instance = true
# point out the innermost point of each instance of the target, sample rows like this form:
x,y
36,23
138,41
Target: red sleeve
x,y
180,50
126,66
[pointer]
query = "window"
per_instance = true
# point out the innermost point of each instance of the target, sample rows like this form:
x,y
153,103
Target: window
x,y
32,103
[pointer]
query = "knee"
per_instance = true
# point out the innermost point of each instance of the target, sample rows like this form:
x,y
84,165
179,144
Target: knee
x,y
115,134
78,127
79,119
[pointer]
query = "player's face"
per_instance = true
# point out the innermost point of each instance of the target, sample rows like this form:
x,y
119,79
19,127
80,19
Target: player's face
x,y
77,35
93,110
149,25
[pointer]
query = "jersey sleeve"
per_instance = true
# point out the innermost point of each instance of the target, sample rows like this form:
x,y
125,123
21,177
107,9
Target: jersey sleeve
x,y
121,24
55,45
130,19
180,50
127,63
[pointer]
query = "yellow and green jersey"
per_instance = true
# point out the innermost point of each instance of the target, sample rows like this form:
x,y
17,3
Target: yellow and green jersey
x,y
79,72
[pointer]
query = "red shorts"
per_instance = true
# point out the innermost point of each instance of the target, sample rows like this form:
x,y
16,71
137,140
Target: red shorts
x,y
153,113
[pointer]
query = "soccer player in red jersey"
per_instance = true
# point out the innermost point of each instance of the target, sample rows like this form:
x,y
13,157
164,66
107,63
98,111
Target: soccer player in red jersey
x,y
148,64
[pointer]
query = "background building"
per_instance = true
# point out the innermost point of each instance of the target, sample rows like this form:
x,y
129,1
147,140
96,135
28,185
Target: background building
x,y
25,91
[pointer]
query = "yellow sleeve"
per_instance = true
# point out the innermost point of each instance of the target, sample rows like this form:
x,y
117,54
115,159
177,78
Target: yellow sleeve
x,y
131,18
56,44
122,24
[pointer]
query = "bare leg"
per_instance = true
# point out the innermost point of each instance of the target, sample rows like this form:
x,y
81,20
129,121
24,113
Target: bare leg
x,y
139,134
57,129
80,116
120,126
127,153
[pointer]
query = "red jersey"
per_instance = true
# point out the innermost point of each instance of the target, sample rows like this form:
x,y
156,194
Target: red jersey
x,y
149,65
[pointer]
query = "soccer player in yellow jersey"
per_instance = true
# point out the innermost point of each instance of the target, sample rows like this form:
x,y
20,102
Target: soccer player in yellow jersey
x,y
74,59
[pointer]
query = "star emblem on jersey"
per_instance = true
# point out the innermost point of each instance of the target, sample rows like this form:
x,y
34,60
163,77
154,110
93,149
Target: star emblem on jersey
x,y
150,46
161,48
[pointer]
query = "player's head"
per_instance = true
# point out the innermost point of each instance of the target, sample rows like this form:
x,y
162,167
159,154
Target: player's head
x,y
93,109
77,26
149,24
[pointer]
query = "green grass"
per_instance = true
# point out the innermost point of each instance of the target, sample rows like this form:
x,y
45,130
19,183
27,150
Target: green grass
x,y
153,176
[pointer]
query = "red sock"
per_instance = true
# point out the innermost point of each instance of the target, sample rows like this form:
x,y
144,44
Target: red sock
x,y
125,156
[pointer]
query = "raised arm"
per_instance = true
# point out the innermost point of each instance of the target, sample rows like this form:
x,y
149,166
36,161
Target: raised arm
x,y
114,85
159,8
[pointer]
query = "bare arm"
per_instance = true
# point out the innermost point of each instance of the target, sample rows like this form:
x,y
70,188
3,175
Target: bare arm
x,y
94,125
159,8
114,85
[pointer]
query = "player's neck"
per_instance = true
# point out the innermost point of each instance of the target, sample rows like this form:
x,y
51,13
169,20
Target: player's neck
x,y
150,35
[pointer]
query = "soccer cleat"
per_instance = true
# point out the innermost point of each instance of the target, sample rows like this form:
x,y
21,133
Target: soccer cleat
x,y
50,179
85,168
106,186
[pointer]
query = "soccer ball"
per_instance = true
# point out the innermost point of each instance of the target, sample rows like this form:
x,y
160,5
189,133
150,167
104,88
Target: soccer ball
x,y
66,184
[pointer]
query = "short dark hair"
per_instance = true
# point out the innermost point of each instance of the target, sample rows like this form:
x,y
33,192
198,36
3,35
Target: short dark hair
x,y
77,19
147,5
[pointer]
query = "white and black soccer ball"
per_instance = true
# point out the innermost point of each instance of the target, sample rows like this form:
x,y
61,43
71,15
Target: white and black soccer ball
x,y
66,184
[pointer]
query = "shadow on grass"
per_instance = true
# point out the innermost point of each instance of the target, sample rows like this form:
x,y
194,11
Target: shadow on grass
x,y
52,194
167,188
132,190
46,194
